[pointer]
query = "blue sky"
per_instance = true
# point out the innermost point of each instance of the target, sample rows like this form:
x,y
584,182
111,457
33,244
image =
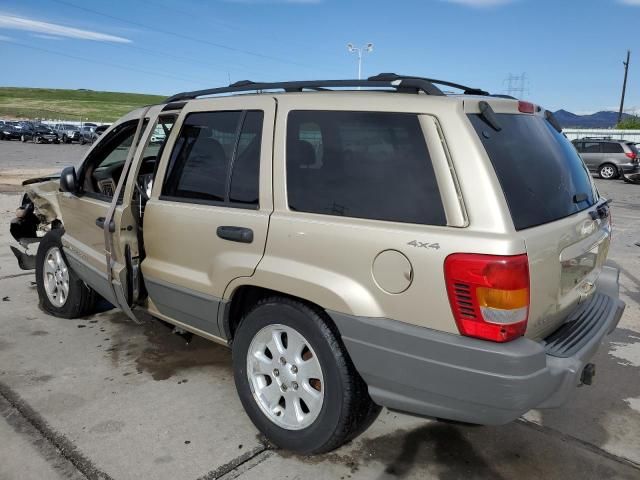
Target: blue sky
x,y
571,50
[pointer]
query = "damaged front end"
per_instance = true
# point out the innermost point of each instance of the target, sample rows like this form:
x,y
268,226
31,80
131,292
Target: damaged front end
x,y
38,212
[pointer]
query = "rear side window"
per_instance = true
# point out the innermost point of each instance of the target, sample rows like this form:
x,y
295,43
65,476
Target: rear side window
x,y
592,147
370,165
541,174
610,147
216,158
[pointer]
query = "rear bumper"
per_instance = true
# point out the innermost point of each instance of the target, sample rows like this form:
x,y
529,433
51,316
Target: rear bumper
x,y
429,373
629,167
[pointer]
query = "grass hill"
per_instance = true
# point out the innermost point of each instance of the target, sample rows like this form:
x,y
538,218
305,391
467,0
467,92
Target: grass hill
x,y
50,103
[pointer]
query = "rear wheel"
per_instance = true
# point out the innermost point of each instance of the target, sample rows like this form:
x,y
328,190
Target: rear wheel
x,y
295,379
60,290
608,171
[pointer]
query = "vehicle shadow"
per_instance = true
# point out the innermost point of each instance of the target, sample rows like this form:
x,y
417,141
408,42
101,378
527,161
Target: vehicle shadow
x,y
441,447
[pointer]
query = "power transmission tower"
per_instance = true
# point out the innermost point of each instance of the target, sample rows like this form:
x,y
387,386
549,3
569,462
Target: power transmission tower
x,y
517,85
624,85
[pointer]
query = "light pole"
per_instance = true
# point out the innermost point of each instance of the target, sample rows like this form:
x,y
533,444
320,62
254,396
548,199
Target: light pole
x,y
368,48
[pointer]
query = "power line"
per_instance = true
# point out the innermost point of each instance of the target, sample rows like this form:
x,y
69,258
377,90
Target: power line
x,y
99,62
180,35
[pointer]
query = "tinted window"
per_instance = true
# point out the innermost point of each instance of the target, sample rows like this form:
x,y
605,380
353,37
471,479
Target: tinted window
x,y
633,147
217,158
612,148
591,147
361,164
539,171
246,167
579,146
200,158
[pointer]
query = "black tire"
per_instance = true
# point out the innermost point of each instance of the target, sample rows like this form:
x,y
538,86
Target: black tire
x,y
347,408
82,141
604,171
64,139
81,299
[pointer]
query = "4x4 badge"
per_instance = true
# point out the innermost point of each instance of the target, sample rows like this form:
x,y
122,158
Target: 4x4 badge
x,y
415,243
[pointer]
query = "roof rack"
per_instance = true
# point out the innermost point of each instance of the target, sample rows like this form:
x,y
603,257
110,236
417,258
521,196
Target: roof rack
x,y
400,83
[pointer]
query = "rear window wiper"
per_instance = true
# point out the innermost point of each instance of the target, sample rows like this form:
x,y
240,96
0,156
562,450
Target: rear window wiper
x,y
489,116
580,197
553,121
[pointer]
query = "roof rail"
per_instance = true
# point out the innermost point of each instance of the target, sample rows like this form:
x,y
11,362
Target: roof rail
x,y
399,83
464,88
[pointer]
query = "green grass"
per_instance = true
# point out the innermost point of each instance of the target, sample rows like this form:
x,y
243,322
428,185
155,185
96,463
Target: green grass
x,y
75,105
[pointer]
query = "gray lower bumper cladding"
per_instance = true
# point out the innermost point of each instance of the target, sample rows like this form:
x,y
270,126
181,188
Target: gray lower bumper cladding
x,y
430,373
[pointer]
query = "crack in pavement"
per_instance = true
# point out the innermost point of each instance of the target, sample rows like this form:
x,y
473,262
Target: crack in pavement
x,y
238,462
65,447
15,275
49,453
581,443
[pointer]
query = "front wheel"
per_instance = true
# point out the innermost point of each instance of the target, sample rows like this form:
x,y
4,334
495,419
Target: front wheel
x,y
296,380
60,290
608,171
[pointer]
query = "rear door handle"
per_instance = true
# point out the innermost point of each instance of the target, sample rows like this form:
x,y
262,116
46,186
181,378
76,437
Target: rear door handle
x,y
235,234
100,223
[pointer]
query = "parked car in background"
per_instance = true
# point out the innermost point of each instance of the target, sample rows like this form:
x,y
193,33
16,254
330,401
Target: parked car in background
x,y
8,131
607,157
101,129
67,133
158,135
87,134
38,134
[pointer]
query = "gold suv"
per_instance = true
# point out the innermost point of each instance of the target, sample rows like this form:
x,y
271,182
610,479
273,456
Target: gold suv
x,y
437,254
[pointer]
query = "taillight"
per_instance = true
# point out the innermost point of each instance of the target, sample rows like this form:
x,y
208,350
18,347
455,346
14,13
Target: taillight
x,y
526,107
631,155
489,294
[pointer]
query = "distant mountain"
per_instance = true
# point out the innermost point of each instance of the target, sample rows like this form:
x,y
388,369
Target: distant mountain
x,y
595,120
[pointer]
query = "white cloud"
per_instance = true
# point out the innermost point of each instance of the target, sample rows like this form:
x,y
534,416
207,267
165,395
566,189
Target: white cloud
x,y
5,39
635,3
46,37
481,3
22,23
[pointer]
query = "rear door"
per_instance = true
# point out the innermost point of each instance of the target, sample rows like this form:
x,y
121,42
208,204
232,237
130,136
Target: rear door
x,y
206,222
551,198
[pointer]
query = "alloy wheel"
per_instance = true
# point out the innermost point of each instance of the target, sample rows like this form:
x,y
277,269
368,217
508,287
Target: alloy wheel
x,y
56,277
285,377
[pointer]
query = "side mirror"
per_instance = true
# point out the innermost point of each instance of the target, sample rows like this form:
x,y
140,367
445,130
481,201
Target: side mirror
x,y
68,180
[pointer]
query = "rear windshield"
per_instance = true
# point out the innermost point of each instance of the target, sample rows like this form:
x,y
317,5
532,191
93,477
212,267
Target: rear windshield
x,y
633,147
541,174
